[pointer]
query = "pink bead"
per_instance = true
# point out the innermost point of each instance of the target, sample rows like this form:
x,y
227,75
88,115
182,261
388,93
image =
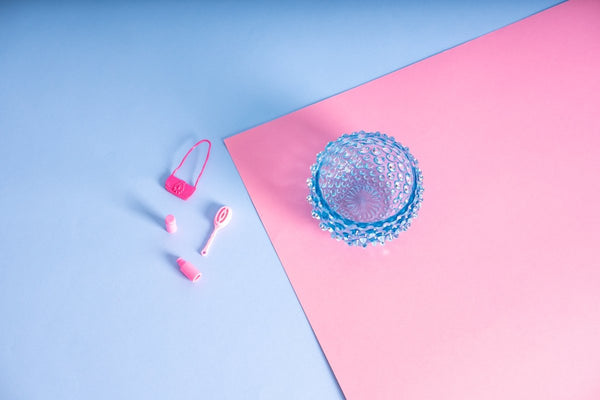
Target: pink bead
x,y
188,269
171,224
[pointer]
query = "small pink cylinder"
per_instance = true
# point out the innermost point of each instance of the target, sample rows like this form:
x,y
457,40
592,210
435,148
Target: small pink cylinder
x,y
189,270
171,224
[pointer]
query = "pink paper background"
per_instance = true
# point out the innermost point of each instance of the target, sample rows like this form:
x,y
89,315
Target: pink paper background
x,y
494,293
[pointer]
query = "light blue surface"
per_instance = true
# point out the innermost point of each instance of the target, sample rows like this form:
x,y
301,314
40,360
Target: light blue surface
x,y
97,103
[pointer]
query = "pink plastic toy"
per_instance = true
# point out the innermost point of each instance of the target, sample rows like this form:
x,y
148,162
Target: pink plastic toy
x,y
222,218
171,224
179,187
189,270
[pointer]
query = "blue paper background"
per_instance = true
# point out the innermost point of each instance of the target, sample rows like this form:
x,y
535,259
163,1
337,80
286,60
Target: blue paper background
x,y
98,102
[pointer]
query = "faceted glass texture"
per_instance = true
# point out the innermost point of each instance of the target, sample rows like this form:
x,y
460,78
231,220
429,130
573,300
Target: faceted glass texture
x,y
365,188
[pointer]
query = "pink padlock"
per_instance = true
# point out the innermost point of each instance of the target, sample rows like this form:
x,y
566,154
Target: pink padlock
x,y
171,223
189,270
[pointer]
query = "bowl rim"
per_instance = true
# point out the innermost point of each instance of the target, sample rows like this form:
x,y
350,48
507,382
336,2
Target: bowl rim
x,y
350,221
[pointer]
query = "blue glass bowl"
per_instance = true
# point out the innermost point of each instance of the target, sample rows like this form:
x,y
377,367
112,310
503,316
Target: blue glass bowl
x,y
365,188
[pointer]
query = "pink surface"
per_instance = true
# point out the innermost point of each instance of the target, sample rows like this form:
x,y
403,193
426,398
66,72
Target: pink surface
x,y
494,293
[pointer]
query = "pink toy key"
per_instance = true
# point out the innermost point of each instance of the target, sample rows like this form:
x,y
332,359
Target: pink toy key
x,y
189,270
222,218
171,224
179,187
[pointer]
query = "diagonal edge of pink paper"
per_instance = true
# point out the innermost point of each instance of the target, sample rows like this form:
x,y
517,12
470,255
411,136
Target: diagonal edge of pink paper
x,y
494,292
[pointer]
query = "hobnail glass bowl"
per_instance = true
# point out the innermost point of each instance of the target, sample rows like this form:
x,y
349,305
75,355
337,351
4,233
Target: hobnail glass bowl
x,y
365,188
